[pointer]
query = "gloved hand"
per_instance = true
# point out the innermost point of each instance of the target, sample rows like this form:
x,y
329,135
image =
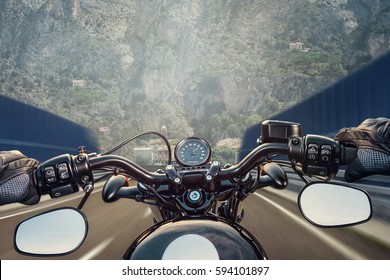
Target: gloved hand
x,y
16,180
372,138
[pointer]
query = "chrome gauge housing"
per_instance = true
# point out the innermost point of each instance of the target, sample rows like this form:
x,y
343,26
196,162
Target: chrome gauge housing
x,y
192,151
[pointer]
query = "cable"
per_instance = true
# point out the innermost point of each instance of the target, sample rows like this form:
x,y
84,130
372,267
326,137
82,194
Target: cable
x,y
139,135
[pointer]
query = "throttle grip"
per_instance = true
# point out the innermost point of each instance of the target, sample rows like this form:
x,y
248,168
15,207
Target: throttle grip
x,y
348,154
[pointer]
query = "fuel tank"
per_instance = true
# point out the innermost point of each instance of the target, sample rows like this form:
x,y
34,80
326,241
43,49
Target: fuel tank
x,y
201,238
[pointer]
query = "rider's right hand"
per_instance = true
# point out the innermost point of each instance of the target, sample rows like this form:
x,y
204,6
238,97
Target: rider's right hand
x,y
16,178
372,138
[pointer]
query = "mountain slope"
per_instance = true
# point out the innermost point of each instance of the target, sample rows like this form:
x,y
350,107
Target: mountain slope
x,y
209,67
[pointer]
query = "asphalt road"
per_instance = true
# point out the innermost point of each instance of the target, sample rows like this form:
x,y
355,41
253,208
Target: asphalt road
x,y
272,216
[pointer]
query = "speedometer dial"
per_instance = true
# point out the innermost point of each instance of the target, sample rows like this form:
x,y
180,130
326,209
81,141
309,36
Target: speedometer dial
x,y
192,151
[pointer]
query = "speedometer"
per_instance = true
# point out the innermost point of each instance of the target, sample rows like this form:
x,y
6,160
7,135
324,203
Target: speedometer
x,y
192,151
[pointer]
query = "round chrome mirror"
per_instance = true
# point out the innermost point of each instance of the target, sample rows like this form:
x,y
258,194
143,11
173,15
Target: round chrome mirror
x,y
332,205
56,232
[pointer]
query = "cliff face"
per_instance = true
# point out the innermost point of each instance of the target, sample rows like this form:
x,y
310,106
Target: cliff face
x,y
178,63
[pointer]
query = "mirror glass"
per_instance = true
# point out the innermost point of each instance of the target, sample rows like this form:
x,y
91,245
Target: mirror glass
x,y
329,205
56,232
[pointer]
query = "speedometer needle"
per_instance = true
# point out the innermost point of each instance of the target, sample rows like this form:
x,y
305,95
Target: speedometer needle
x,y
193,152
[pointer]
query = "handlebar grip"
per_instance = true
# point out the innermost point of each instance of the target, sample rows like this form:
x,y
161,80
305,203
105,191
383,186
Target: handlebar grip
x,y
348,154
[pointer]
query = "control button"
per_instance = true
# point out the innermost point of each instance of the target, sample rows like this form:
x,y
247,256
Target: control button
x,y
325,158
49,171
317,170
326,151
312,148
50,175
312,157
63,171
312,152
61,191
62,166
51,180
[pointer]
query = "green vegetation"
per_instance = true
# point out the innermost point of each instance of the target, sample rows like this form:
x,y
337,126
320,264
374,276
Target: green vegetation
x,y
316,63
224,155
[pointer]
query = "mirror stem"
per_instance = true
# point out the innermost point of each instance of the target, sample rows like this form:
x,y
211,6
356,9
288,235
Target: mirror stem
x,y
299,172
88,190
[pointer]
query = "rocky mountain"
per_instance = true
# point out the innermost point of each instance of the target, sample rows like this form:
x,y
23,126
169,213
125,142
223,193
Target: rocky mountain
x,y
210,67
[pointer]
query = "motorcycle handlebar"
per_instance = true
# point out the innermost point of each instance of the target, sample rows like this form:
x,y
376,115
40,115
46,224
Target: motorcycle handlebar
x,y
318,155
143,175
135,170
253,159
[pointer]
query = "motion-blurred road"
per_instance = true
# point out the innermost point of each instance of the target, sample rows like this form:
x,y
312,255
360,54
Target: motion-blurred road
x,y
271,215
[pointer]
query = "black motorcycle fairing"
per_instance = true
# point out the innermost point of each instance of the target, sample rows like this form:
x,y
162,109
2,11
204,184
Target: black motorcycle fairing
x,y
230,240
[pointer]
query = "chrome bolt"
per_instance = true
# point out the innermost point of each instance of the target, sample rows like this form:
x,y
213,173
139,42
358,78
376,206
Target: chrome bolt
x,y
88,188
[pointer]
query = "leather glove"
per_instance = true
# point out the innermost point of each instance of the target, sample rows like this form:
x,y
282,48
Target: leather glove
x,y
372,138
16,178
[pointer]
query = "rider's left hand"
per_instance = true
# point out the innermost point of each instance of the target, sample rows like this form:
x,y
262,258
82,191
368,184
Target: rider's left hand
x,y
16,178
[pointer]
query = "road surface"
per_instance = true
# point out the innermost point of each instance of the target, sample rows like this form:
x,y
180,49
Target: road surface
x,y
271,215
